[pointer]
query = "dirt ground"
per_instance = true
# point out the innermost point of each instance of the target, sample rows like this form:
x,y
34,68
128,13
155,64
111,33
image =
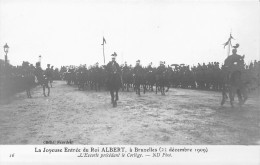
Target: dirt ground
x,y
182,117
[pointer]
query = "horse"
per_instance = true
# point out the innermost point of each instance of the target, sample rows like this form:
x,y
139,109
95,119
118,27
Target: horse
x,y
235,85
161,82
113,83
127,78
150,79
80,80
43,81
28,81
139,80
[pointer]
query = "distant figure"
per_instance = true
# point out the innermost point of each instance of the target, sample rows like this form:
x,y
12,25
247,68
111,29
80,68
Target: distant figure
x,y
138,67
47,78
138,78
51,75
38,73
161,78
28,78
161,69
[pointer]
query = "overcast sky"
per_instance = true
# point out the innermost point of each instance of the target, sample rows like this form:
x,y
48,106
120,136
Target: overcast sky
x,y
70,32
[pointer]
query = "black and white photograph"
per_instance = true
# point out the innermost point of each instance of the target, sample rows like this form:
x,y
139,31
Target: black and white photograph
x,y
129,72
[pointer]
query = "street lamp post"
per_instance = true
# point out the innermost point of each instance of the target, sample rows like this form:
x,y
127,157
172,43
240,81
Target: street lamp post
x,y
40,58
6,49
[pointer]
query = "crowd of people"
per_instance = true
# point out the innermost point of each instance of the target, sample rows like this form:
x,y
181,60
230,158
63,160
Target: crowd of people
x,y
20,78
203,76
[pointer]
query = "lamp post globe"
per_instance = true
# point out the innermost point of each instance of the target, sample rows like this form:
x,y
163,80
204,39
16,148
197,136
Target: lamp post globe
x,y
6,49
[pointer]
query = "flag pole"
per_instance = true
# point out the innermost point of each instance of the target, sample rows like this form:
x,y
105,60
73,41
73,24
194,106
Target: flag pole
x,y
104,53
103,44
229,43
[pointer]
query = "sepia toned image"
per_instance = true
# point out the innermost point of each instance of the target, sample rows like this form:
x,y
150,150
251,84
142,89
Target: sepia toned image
x,y
128,72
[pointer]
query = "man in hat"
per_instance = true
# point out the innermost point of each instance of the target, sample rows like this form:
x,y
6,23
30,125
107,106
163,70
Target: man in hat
x,y
234,58
113,66
138,68
161,68
48,72
125,68
149,68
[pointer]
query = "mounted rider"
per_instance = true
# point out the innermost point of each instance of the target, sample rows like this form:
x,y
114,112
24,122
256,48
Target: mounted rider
x,y
161,69
149,68
113,66
138,68
125,68
234,62
114,79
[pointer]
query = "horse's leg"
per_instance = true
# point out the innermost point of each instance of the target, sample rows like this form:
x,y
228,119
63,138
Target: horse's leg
x,y
168,87
164,90
117,95
27,93
49,90
115,103
224,96
114,100
239,95
44,90
231,96
244,94
139,89
112,96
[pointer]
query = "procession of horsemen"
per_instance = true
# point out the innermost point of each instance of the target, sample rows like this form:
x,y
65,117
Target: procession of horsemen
x,y
232,78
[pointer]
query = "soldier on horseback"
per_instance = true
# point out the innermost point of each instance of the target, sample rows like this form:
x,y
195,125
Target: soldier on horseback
x,y
161,68
161,78
126,76
113,66
113,79
138,70
234,62
233,70
137,67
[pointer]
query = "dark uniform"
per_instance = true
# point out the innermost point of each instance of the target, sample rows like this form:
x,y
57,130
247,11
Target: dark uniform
x,y
161,69
232,59
138,69
113,67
